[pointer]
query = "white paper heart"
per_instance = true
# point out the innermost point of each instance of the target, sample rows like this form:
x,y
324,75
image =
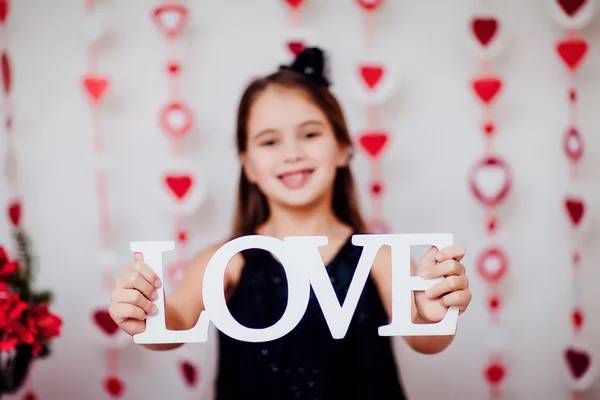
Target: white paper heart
x,y
490,180
93,27
170,18
492,264
574,144
176,119
583,16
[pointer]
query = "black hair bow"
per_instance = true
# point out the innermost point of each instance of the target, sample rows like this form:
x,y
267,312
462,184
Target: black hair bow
x,y
311,62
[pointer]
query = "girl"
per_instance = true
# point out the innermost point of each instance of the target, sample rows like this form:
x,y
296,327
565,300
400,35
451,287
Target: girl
x,y
295,148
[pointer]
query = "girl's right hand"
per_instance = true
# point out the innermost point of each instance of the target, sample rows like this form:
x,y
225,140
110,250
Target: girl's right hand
x,y
132,296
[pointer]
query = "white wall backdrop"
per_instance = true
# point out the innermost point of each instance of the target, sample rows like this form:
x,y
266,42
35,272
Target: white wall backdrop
x,y
434,119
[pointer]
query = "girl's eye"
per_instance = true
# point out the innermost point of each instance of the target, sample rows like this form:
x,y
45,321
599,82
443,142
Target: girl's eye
x,y
268,143
312,134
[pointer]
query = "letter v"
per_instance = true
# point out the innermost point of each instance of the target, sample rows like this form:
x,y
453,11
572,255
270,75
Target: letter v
x,y
338,316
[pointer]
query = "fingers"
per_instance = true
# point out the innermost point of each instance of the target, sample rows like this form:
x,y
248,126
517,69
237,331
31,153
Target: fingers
x,y
428,259
138,257
122,311
452,283
456,252
444,268
134,297
459,299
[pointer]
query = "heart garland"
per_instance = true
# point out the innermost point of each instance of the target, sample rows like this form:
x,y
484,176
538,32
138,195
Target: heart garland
x,y
295,7
490,182
190,373
572,51
373,83
573,14
96,86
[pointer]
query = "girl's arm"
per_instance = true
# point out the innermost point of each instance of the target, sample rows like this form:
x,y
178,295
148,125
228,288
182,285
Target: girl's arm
x,y
184,305
382,276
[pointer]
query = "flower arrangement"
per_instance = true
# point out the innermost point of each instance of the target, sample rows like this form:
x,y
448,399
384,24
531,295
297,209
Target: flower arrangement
x,y
26,323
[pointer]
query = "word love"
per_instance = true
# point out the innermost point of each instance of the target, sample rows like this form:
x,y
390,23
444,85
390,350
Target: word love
x,y
304,269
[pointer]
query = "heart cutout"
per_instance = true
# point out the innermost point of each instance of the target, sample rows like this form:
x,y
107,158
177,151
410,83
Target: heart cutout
x,y
176,119
571,7
179,185
484,29
573,145
104,321
14,213
495,373
114,386
577,318
370,5
487,88
572,51
190,373
576,209
373,142
6,73
170,19
579,362
294,4
296,46
371,75
4,8
492,264
490,180
96,87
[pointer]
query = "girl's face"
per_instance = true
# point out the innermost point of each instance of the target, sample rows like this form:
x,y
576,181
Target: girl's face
x,y
292,153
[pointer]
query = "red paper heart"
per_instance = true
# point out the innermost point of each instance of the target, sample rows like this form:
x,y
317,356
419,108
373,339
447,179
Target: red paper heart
x,y
372,74
575,208
104,321
370,5
571,7
114,386
176,119
4,8
6,73
14,213
295,4
495,373
296,47
173,68
170,19
373,142
96,87
492,264
579,362
190,373
572,52
497,170
487,88
573,145
179,185
484,29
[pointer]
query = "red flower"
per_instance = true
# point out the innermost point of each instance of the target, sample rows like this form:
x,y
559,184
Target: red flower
x,y
12,332
9,269
47,325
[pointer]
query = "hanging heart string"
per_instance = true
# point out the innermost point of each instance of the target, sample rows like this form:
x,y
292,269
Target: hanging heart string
x,y
490,181
572,51
295,7
374,86
95,86
179,183
14,208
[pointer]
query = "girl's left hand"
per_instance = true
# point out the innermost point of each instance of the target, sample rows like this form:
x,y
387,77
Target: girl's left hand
x,y
433,303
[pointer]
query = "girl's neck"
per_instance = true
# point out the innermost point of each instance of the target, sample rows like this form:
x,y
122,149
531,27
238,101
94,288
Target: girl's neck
x,y
311,221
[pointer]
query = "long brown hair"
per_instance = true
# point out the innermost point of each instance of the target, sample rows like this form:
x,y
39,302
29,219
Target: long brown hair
x,y
252,208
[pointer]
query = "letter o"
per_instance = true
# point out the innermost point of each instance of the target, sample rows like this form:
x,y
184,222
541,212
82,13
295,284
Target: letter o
x,y
214,297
